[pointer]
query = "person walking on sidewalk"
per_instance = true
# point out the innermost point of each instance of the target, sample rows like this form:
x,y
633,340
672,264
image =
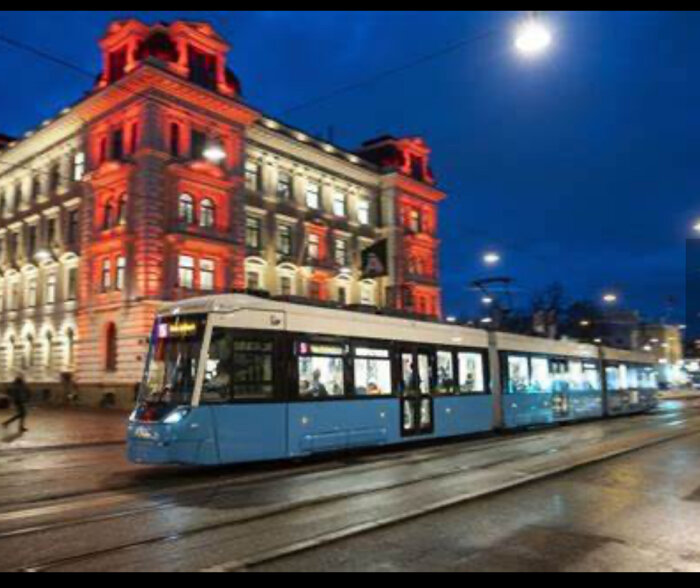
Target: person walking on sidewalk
x,y
19,394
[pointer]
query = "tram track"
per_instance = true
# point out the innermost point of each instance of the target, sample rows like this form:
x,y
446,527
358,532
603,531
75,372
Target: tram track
x,y
324,502
163,496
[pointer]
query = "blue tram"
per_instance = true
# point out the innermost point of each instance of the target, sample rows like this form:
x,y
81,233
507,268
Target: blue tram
x,y
233,379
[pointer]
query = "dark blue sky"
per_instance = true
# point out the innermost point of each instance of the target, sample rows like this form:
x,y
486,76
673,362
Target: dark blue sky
x,y
581,167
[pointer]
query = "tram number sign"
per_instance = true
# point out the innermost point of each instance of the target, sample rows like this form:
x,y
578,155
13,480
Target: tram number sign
x,y
375,260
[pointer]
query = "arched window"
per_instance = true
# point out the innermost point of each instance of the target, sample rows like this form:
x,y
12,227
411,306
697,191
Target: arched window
x,y
108,218
48,350
28,358
206,213
69,349
186,209
11,353
3,205
121,212
111,348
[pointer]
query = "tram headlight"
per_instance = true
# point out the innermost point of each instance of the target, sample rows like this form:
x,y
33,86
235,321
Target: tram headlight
x,y
176,416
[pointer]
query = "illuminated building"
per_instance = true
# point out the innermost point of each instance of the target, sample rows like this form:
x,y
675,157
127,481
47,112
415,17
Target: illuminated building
x,y
163,184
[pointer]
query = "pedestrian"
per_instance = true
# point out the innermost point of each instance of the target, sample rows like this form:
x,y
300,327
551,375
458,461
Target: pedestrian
x,y
19,394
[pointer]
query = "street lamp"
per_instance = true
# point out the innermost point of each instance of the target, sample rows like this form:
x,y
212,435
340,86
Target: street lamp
x,y
492,258
214,153
610,298
532,36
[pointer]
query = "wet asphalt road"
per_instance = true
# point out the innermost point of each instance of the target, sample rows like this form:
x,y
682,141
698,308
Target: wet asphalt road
x,y
86,509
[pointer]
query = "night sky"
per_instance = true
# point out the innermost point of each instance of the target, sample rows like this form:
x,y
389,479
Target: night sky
x,y
581,167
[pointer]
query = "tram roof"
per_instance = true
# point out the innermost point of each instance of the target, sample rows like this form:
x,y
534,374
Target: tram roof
x,y
321,320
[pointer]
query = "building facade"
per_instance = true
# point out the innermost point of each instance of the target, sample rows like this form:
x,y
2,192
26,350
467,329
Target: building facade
x,y
163,184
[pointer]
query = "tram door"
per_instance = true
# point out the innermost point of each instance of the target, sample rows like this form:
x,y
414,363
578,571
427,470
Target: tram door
x,y
416,400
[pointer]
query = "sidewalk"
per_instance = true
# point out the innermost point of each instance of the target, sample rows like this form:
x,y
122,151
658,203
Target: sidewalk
x,y
53,428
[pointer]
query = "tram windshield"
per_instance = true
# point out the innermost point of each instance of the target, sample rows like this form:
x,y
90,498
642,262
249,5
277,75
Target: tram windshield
x,y
171,371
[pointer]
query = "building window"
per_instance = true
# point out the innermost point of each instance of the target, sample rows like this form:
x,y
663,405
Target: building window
x,y
31,292
314,247
118,144
206,214
343,294
13,295
284,186
48,350
186,272
36,190
340,204
73,220
186,209
31,242
313,195
315,290
70,348
72,284
286,287
121,273
51,289
252,234
414,223
51,232
253,280
134,146
175,140
284,240
121,211
111,348
108,217
367,294
341,252
106,276
103,150
252,176
54,178
363,216
206,275
199,144
19,196
78,166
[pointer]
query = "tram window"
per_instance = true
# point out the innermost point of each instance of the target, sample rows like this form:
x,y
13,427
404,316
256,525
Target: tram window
x,y
372,372
612,377
518,375
624,379
471,373
407,380
559,370
633,377
576,382
541,381
445,373
238,369
321,371
591,377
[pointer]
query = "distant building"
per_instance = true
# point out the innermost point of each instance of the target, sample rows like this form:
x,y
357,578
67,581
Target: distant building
x,y
163,184
666,343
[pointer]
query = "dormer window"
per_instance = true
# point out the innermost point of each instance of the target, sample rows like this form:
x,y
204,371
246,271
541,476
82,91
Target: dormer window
x,y
202,68
117,65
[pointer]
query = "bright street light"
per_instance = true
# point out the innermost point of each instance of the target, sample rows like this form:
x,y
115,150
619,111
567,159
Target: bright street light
x,y
532,37
214,153
487,300
492,258
610,298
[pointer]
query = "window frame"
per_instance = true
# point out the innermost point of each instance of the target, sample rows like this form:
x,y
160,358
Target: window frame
x,y
279,381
